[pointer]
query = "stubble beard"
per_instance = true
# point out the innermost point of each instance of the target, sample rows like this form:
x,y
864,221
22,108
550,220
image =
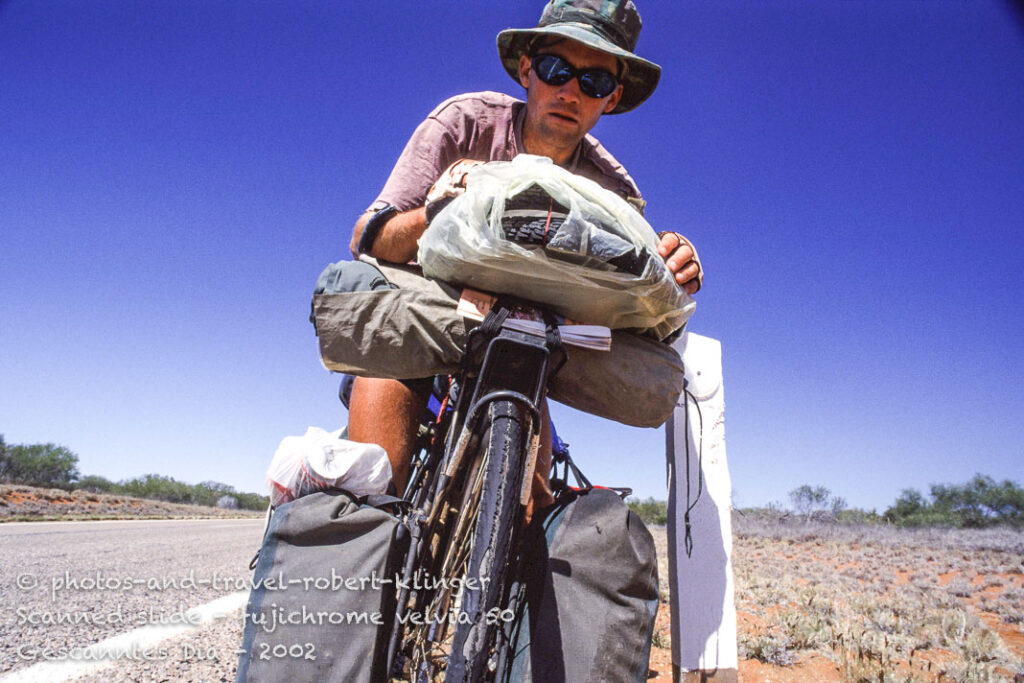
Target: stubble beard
x,y
553,141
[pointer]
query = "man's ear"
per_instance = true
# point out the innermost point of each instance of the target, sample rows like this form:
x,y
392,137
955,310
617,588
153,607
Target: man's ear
x,y
524,71
613,100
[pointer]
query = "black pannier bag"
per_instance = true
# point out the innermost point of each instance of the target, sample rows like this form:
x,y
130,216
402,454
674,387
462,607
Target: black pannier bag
x,y
323,600
591,594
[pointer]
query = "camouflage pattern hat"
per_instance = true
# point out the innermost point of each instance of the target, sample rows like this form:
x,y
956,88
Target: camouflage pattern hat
x,y
611,26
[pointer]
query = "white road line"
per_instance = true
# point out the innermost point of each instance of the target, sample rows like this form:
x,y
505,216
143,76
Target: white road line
x,y
132,645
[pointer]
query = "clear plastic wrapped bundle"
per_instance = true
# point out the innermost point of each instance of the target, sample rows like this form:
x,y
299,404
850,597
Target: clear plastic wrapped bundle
x,y
532,229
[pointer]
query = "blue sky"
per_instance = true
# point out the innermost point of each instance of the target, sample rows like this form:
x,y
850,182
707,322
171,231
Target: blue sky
x,y
174,175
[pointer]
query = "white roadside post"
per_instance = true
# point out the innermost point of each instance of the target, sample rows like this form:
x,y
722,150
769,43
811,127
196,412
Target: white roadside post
x,y
701,581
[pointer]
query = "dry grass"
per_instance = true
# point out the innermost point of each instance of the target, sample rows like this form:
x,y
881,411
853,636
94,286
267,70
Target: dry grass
x,y
823,602
883,604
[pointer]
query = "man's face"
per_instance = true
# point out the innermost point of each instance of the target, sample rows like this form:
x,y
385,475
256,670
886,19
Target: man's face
x,y
560,115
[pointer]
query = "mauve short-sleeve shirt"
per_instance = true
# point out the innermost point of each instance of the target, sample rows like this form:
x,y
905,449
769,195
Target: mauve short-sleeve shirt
x,y
487,126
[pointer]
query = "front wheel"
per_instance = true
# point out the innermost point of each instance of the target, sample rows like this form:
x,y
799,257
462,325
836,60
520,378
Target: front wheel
x,y
499,514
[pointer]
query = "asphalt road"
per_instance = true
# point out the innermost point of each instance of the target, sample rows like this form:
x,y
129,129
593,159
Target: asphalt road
x,y
67,585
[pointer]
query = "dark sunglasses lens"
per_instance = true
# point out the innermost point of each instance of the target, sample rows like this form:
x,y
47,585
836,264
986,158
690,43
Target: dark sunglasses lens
x,y
597,83
552,70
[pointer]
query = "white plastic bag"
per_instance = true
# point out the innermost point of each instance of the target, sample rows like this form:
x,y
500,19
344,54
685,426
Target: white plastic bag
x,y
465,245
320,460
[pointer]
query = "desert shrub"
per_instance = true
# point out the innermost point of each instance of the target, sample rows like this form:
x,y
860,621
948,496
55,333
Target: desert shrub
x,y
771,648
252,501
44,464
651,511
981,502
859,516
866,660
55,466
910,502
961,588
806,630
215,491
159,487
95,484
816,502
209,492
661,639
757,523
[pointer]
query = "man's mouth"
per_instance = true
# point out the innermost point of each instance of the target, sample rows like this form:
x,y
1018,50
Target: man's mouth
x,y
563,116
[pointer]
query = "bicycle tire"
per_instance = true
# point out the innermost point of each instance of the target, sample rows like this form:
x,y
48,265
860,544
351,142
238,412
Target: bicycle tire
x,y
497,518
532,217
533,232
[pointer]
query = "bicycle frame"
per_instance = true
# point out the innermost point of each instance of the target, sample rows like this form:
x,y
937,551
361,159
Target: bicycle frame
x,y
514,368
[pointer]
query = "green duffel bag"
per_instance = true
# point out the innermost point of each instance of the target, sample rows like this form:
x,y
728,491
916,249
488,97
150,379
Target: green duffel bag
x,y
405,326
323,598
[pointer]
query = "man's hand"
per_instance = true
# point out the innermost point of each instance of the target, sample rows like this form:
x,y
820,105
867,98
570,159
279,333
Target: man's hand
x,y
450,185
682,261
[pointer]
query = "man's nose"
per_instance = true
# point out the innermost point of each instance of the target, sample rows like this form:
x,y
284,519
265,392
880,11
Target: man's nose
x,y
570,91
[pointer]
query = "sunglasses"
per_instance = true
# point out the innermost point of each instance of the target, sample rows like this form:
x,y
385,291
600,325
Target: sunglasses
x,y
554,70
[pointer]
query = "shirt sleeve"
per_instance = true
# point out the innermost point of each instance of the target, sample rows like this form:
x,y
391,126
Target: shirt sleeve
x,y
430,150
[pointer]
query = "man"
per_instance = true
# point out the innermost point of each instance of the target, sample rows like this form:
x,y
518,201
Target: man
x,y
576,65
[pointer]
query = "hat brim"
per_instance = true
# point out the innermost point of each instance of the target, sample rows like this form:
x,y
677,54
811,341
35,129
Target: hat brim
x,y
641,75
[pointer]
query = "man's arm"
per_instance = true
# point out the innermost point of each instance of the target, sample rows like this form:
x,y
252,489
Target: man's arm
x,y
398,238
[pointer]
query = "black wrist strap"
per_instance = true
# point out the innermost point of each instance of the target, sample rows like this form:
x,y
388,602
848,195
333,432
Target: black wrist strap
x,y
434,208
373,227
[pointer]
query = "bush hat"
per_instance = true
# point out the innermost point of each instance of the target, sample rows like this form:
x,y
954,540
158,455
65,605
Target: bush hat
x,y
611,26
